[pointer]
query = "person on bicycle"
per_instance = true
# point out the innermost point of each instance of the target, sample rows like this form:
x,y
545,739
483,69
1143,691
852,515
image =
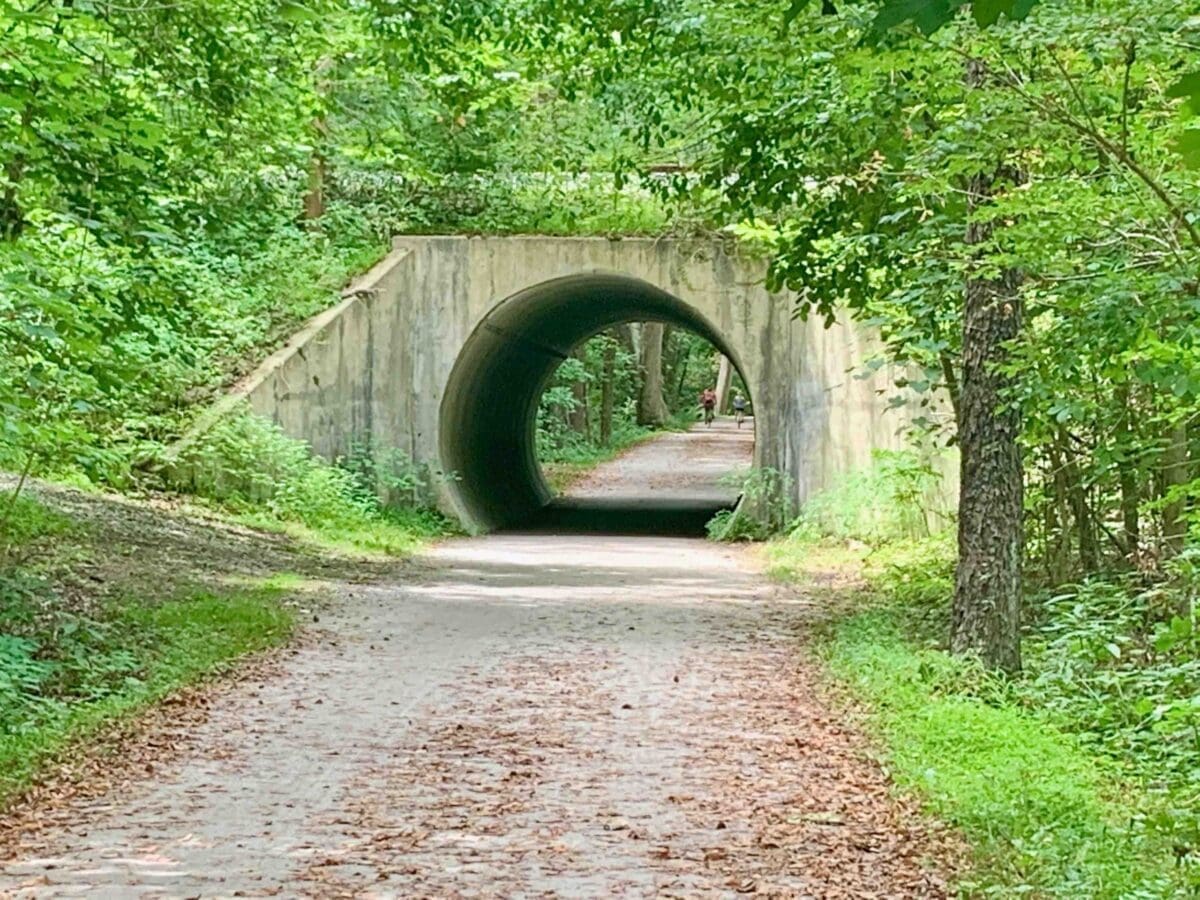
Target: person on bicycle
x,y
708,400
739,408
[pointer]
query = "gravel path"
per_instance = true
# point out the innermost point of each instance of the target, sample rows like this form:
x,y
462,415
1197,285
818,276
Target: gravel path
x,y
680,465
531,715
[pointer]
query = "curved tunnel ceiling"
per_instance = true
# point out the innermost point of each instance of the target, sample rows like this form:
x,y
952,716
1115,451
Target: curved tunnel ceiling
x,y
489,410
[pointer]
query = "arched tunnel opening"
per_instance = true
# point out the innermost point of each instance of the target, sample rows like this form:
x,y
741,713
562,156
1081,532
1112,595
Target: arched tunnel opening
x,y
489,411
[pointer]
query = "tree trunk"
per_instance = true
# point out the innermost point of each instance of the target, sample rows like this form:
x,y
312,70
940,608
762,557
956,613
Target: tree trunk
x,y
577,418
1058,549
987,589
1089,552
624,335
1130,490
681,400
1175,473
314,197
12,215
652,409
724,379
607,388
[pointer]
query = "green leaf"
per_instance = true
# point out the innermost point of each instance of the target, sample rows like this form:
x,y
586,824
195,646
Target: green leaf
x,y
294,11
930,15
988,12
927,15
1187,145
794,9
39,331
1187,86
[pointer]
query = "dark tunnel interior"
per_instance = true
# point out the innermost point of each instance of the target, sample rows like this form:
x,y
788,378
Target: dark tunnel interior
x,y
489,411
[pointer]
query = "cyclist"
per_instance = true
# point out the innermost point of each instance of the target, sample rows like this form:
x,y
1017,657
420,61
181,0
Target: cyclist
x,y
739,408
708,400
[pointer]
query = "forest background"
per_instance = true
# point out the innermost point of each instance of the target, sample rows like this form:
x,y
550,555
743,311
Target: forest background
x,y
1007,191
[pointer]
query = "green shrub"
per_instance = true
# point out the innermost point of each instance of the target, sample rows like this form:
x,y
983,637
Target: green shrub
x,y
1030,766
1076,778
248,466
735,525
884,501
765,510
917,578
23,519
1117,662
1033,801
118,343
391,474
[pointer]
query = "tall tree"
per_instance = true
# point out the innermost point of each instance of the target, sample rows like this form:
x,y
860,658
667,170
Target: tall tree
x,y
652,408
608,376
724,380
987,588
1176,474
578,414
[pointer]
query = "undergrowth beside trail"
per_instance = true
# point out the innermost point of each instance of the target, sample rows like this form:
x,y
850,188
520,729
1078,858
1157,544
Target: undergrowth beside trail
x,y
23,519
63,675
246,466
108,605
563,466
569,461
1076,778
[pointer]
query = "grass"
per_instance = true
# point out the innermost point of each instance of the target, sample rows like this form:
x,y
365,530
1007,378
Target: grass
x,y
1045,810
109,609
790,560
1039,810
398,533
66,676
23,519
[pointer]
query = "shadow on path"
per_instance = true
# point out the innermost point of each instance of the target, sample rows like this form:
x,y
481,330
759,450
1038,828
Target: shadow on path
x,y
668,486
627,516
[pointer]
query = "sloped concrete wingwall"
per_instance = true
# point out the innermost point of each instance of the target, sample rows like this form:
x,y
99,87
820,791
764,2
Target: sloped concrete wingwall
x,y
375,368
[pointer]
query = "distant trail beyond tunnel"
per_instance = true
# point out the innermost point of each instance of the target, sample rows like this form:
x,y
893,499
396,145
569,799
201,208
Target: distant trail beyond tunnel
x,y
524,715
671,485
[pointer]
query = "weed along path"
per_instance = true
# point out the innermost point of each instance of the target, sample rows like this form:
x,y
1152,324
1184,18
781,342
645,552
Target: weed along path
x,y
549,714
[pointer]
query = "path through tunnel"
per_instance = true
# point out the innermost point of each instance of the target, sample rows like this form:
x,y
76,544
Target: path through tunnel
x,y
490,407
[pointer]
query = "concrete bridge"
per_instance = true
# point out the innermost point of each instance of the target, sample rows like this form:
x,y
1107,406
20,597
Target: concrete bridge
x,y
442,351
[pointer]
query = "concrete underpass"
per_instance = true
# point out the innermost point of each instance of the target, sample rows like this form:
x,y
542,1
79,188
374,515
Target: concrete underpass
x,y
489,410
442,351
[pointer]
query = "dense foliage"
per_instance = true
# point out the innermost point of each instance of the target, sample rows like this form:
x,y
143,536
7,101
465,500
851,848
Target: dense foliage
x,y
1037,152
183,183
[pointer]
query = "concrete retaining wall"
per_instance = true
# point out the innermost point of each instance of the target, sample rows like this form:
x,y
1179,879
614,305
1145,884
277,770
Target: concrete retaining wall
x,y
375,367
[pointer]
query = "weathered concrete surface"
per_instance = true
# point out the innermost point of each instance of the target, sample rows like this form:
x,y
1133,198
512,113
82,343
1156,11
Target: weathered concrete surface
x,y
443,349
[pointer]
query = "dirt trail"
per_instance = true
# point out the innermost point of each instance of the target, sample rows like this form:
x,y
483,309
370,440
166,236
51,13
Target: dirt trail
x,y
684,465
530,715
